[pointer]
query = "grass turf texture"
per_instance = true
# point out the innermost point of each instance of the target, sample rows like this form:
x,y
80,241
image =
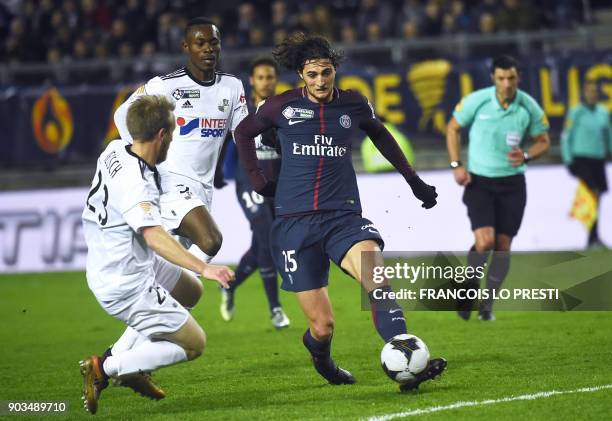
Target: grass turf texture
x,y
249,370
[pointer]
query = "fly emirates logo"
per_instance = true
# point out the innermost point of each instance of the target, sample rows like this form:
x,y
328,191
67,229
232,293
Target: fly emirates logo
x,y
322,147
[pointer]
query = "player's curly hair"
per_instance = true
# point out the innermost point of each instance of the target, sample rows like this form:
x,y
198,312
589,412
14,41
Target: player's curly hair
x,y
297,49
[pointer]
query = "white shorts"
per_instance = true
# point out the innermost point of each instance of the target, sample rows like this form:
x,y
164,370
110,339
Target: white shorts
x,y
154,312
150,309
166,274
179,195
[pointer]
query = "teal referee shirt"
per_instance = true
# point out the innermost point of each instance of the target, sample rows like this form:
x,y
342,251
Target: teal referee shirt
x,y
494,131
587,133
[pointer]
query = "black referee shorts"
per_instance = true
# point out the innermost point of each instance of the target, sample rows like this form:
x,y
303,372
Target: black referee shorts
x,y
497,202
592,171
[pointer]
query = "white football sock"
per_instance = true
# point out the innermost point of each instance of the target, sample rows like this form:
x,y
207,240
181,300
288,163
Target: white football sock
x,y
148,356
130,339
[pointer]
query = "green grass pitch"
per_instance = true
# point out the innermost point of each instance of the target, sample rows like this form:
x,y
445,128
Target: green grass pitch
x,y
251,371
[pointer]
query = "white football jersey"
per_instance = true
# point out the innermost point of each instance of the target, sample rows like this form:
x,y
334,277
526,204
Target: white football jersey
x,y
204,112
124,197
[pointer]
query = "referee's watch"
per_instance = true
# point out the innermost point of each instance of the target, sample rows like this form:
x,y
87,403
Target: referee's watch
x,y
526,157
455,164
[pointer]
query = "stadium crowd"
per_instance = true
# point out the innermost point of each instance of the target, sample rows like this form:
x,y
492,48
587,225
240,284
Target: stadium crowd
x,y
57,31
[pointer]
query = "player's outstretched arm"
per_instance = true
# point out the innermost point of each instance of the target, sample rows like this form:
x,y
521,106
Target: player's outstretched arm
x,y
386,144
167,247
245,135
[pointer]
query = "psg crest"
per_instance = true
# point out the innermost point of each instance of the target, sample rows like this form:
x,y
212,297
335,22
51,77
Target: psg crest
x,y
345,121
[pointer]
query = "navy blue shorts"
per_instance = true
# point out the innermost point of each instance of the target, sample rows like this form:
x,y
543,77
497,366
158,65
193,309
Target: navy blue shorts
x,y
303,245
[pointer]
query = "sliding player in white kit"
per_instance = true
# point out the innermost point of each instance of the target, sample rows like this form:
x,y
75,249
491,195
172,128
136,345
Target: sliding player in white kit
x,y
208,104
125,239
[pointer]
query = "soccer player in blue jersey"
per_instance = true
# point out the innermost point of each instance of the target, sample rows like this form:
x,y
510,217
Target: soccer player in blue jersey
x,y
317,205
259,210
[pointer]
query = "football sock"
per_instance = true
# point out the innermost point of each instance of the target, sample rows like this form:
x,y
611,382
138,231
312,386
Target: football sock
x,y
500,266
474,260
321,353
246,266
270,283
130,339
387,315
147,357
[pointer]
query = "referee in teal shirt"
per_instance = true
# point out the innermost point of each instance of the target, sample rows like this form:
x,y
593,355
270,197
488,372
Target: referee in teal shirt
x,y
501,119
585,142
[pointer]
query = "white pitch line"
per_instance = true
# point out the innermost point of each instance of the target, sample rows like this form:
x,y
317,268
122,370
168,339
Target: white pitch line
x,y
463,404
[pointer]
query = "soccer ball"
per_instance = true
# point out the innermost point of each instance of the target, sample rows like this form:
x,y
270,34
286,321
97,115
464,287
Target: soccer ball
x,y
403,357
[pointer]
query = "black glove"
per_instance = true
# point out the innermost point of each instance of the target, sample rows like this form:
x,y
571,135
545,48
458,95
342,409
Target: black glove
x,y
269,189
424,192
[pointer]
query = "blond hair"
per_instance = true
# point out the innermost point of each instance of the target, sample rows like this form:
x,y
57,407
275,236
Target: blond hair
x,y
147,115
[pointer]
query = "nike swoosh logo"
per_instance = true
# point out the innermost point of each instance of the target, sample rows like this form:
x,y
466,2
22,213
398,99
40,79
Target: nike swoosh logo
x,y
395,310
292,122
373,231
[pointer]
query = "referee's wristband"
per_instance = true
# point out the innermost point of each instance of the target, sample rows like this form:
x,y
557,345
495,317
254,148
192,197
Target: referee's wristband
x,y
455,164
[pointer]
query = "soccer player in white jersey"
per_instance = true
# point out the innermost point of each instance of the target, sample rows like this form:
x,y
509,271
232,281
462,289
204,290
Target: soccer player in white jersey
x,y
130,280
208,104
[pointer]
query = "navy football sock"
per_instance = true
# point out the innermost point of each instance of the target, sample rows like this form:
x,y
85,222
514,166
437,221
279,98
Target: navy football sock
x,y
247,265
387,315
321,353
270,283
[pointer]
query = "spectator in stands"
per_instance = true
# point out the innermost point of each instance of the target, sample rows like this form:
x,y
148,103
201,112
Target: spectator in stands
x,y
20,45
517,15
63,39
348,34
431,24
150,18
257,37
410,30
118,35
463,20
486,24
373,32
449,24
280,15
324,24
43,23
72,15
247,18
96,14
5,19
131,13
411,10
54,55
80,51
372,17
168,35
101,51
279,35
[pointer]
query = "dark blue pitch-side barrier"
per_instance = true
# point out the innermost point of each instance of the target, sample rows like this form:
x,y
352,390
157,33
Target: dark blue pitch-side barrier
x,y
49,126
